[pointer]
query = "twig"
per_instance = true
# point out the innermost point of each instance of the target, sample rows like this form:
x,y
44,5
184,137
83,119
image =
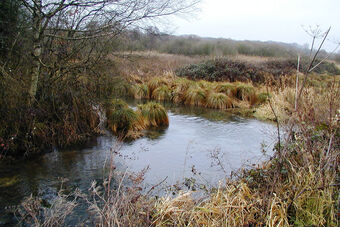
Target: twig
x,y
156,185
277,125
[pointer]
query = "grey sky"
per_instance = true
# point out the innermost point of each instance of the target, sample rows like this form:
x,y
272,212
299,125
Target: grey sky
x,y
277,20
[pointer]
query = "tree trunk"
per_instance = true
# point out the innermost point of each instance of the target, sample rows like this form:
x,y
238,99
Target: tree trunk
x,y
37,49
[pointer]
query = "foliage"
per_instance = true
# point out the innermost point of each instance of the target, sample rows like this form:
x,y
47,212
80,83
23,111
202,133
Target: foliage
x,y
245,91
154,114
226,88
196,96
224,69
162,93
63,116
219,101
122,120
140,91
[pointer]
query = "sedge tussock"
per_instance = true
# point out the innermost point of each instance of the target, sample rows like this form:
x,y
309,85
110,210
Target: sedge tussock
x,y
156,82
226,88
154,114
162,93
244,91
140,91
219,101
196,96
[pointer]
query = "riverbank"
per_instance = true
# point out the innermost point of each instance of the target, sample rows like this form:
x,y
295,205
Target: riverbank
x,y
297,186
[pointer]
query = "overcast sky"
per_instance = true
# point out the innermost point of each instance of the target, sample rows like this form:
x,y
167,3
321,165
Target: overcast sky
x,y
277,20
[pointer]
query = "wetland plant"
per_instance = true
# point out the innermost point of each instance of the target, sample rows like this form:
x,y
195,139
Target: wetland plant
x,y
196,96
219,101
226,88
156,82
140,91
245,92
154,114
162,93
122,120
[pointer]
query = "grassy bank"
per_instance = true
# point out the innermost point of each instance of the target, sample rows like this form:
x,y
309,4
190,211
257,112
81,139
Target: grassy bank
x,y
298,186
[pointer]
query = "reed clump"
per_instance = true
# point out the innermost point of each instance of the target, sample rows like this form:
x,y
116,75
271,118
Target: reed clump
x,y
162,93
219,101
216,95
140,91
122,120
154,114
196,96
127,123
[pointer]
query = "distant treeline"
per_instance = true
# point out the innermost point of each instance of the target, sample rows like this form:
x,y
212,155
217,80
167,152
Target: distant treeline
x,y
190,45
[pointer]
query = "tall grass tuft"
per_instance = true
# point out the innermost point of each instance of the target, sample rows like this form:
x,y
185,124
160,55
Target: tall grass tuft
x,y
122,120
180,87
219,101
205,84
196,96
245,92
140,91
162,93
226,88
154,114
156,82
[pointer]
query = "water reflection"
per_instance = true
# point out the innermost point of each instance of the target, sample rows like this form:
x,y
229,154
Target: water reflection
x,y
204,143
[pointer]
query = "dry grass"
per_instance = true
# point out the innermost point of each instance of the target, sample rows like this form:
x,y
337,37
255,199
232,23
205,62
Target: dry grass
x,y
233,205
162,93
219,101
154,114
196,96
150,64
217,95
33,213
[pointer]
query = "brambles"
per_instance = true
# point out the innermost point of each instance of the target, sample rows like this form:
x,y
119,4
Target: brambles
x,y
235,70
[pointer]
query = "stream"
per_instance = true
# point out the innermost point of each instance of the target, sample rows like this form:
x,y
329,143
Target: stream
x,y
201,146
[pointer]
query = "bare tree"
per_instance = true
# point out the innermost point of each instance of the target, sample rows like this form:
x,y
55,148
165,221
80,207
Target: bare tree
x,y
79,21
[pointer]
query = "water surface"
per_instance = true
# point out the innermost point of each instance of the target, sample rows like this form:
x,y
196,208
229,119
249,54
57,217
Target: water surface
x,y
200,143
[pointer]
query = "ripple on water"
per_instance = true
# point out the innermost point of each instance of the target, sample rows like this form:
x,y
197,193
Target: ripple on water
x,y
188,144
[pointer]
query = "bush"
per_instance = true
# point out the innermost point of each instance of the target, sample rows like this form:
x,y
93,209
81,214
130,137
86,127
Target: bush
x,y
232,70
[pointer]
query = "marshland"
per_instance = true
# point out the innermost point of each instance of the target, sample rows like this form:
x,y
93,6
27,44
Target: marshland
x,y
108,120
